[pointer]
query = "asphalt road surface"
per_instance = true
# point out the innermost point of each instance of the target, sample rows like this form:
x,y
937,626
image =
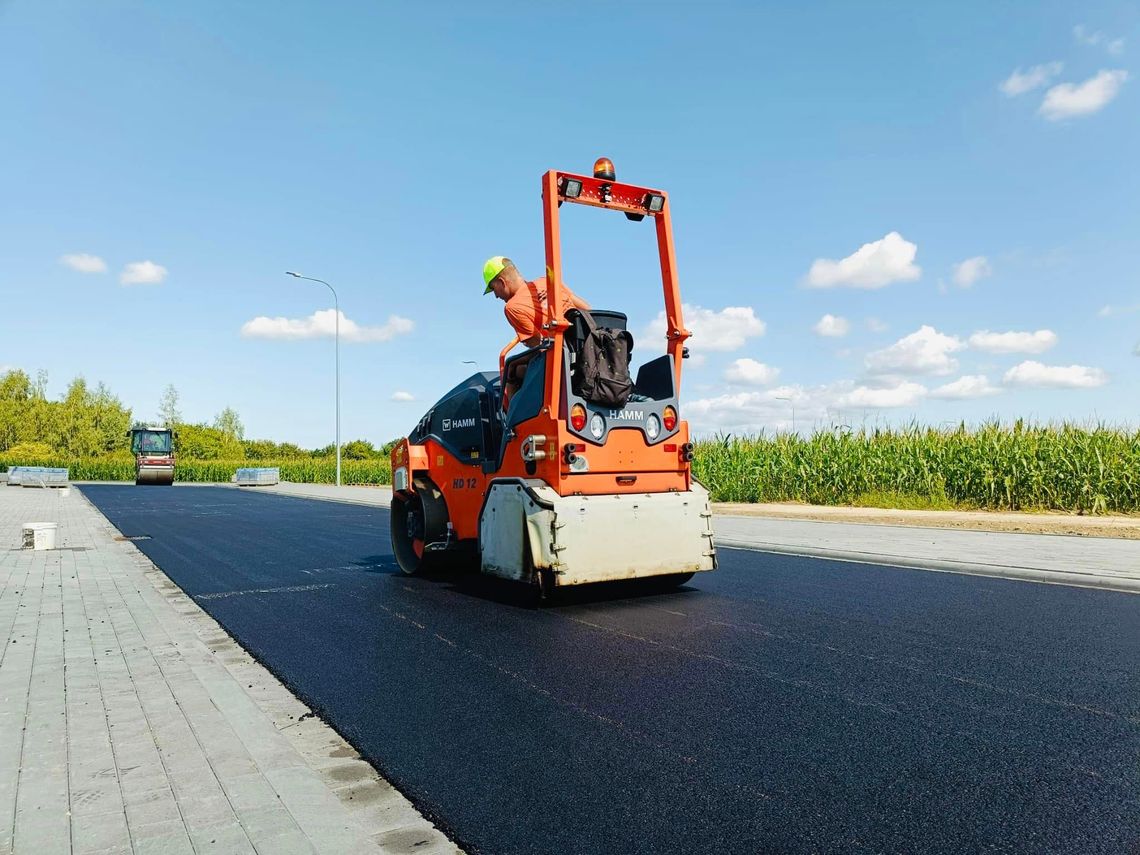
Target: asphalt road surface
x,y
780,704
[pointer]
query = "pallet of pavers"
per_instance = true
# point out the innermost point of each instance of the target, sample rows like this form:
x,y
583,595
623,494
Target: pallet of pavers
x,y
258,476
37,476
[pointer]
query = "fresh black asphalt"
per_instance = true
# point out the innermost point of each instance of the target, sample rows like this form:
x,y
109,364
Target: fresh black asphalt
x,y
780,704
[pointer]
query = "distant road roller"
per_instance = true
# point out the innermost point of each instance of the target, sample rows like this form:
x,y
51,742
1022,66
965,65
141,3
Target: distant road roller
x,y
556,487
153,449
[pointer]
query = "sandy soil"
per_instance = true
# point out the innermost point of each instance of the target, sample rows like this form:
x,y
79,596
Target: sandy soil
x,y
1043,523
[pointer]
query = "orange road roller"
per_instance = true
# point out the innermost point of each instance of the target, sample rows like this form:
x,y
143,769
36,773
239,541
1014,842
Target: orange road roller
x,y
564,481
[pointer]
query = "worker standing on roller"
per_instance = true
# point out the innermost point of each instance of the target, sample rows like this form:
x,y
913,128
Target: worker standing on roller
x,y
526,301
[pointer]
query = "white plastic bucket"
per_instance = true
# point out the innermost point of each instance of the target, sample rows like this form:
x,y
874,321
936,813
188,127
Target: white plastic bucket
x,y
39,535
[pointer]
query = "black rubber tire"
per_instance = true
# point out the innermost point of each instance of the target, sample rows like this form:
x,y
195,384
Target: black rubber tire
x,y
417,520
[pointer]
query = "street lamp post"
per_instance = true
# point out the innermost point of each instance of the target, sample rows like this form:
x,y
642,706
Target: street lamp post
x,y
792,402
336,304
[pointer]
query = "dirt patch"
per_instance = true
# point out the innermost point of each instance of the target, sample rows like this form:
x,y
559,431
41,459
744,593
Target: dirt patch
x,y
1127,527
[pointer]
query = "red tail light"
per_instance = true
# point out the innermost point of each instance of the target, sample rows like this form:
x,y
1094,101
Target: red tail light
x,y
578,417
669,418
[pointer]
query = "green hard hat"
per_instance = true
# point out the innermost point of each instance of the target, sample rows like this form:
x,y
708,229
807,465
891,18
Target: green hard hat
x,y
492,268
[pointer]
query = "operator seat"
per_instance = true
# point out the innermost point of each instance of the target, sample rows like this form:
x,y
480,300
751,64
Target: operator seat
x,y
511,368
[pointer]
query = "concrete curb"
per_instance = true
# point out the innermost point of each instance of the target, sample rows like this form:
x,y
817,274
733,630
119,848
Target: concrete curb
x,y
996,571
384,503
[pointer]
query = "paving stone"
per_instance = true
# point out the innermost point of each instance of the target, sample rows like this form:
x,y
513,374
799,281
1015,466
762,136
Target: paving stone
x,y
96,797
99,831
166,839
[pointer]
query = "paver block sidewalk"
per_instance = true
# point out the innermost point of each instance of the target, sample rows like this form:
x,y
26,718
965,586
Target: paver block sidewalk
x,y
131,722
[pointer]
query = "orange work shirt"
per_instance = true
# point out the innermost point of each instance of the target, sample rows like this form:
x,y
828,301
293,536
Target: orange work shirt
x,y
526,310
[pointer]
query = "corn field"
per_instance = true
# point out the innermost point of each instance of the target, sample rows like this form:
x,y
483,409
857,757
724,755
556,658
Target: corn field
x,y
992,467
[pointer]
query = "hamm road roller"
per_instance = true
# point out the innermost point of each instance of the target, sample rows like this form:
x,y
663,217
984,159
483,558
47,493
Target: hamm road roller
x,y
153,449
565,480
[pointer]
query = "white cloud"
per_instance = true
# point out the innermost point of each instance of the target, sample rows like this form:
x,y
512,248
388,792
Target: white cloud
x,y
403,397
967,386
902,394
1109,311
756,410
925,351
1032,373
1093,39
744,410
1021,82
876,325
1013,342
1084,37
772,408
322,324
725,330
84,263
967,272
1067,100
873,265
751,373
832,326
142,273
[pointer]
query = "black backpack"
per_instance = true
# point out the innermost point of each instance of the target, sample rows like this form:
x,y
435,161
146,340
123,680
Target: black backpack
x,y
601,373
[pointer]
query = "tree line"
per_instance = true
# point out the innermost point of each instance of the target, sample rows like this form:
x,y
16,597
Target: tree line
x,y
90,421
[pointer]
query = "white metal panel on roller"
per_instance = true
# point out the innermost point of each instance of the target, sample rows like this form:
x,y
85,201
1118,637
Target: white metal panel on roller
x,y
596,538
503,526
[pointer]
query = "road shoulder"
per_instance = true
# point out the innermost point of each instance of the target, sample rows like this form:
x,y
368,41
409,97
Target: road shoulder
x,y
1069,525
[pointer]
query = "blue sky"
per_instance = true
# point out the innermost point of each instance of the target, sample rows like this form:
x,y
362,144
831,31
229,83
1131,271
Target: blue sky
x,y
883,212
